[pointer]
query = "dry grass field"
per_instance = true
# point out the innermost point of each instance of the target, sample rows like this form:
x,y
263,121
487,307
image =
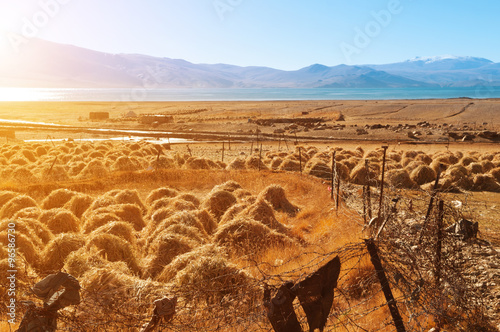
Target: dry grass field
x,y
135,221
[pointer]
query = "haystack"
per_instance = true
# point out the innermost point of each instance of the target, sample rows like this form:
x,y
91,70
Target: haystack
x,y
424,158
438,164
58,198
6,196
275,163
456,172
399,178
76,168
363,176
189,198
318,168
41,231
28,213
40,151
22,226
394,156
128,196
237,163
197,163
161,193
160,215
229,185
218,202
182,261
485,182
276,196
113,249
263,212
122,229
78,204
475,168
94,169
78,262
124,164
19,161
232,212
189,232
25,247
487,166
56,251
23,175
245,236
164,249
466,161
95,219
15,204
55,173
206,219
410,154
410,167
130,213
60,220
290,165
162,163
423,174
101,202
254,162
495,173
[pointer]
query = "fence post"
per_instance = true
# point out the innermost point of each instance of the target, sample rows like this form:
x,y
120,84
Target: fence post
x,y
431,203
333,168
439,236
338,191
382,184
391,302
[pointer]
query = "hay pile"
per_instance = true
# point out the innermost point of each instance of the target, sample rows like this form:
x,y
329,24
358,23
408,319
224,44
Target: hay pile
x,y
230,186
456,173
475,168
11,207
23,175
95,219
56,251
363,176
275,195
113,249
261,211
485,182
399,178
158,216
164,249
6,196
190,198
237,163
123,230
164,192
58,198
130,213
22,226
495,173
78,204
179,204
60,220
189,232
25,248
124,164
217,202
232,212
207,221
423,174
275,163
318,168
94,169
28,213
289,164
80,261
183,218
245,236
128,197
55,173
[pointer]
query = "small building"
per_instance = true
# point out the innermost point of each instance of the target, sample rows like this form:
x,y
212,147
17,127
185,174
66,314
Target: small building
x,y
99,115
158,118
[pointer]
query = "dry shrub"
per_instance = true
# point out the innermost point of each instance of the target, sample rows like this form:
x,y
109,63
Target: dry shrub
x,y
253,162
399,178
29,213
275,195
56,251
361,282
161,193
245,236
113,249
95,219
423,174
263,212
362,175
217,202
164,249
24,246
206,219
475,168
60,220
122,229
94,169
58,198
495,173
237,163
182,261
232,212
289,164
485,182
15,204
78,204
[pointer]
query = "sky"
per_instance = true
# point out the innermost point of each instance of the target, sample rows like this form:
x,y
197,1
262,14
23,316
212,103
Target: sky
x,y
281,34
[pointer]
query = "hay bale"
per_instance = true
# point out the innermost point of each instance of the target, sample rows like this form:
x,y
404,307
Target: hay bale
x,y
289,164
162,163
394,156
318,168
156,194
164,249
122,229
128,196
475,168
23,175
399,178
495,173
60,220
78,204
487,166
456,172
160,215
56,251
124,164
6,196
206,219
28,213
58,198
113,249
485,182
410,167
102,202
232,212
80,261
56,173
189,198
245,236
11,207
189,232
263,212
24,246
275,163
230,186
362,175
424,158
182,261
95,219
275,195
466,161
237,163
423,174
253,162
217,202
94,169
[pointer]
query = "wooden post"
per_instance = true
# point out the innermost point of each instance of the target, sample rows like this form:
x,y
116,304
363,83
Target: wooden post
x,y
380,204
431,203
368,191
440,217
338,192
229,142
382,278
333,174
189,150
364,203
52,166
393,211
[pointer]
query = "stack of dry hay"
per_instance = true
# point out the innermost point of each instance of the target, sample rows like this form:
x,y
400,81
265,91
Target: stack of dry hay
x,y
119,245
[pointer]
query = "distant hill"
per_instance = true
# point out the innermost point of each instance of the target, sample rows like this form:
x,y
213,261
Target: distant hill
x,y
47,64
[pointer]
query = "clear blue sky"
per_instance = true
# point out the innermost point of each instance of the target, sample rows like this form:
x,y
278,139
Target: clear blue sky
x,y
275,33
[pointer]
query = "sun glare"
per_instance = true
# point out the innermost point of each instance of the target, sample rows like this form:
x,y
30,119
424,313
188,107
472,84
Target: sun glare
x,y
20,94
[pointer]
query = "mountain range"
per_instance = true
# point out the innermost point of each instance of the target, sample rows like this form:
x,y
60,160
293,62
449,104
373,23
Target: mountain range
x,y
46,64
